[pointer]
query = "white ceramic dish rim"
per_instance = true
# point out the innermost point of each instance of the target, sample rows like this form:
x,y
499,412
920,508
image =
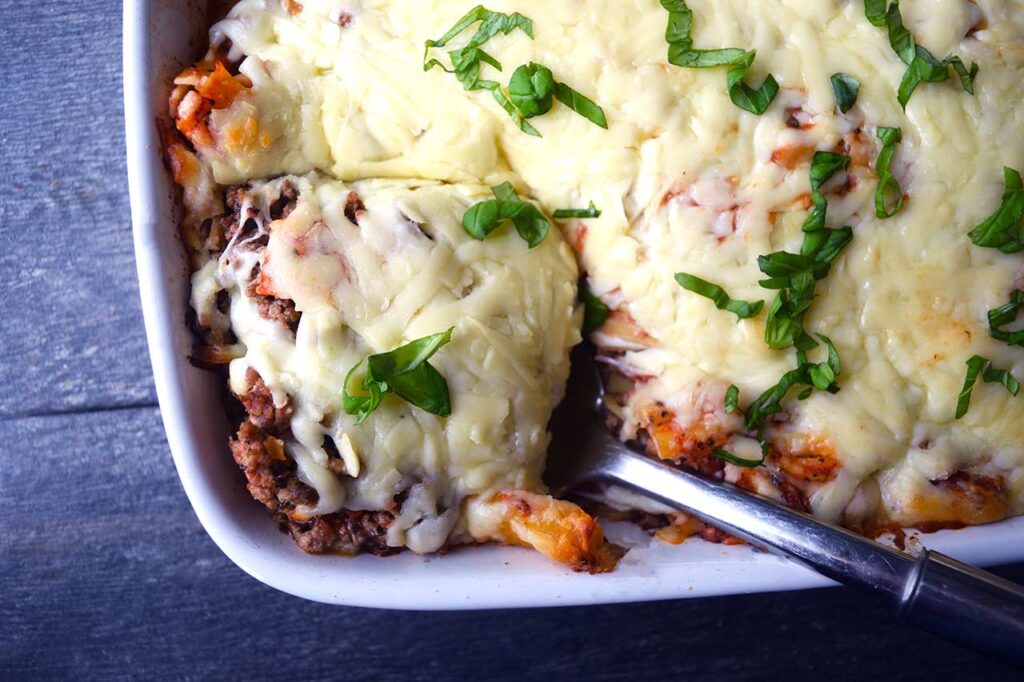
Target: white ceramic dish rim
x,y
157,36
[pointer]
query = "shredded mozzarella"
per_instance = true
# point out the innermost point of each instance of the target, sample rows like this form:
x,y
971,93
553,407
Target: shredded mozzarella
x,y
685,181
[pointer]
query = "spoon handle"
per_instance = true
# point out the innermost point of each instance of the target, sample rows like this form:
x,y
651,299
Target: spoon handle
x,y
937,593
966,605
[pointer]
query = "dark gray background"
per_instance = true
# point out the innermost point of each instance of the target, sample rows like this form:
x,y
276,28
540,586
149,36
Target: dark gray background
x,y
104,570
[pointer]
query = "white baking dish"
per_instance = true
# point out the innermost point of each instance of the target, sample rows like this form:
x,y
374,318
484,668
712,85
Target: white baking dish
x,y
159,37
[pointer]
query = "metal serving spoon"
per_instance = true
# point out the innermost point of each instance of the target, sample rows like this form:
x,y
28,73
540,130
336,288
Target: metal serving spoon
x,y
932,591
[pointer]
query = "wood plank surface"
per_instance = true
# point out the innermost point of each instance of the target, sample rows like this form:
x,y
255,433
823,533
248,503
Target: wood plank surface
x,y
72,328
105,572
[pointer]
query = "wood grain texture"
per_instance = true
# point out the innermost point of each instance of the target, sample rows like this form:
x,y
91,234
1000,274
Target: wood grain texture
x,y
72,327
105,572
108,573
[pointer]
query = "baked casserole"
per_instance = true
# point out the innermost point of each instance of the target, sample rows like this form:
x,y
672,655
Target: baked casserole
x,y
791,231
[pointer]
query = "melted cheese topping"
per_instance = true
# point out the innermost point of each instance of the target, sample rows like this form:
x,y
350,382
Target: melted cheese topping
x,y
686,182
406,270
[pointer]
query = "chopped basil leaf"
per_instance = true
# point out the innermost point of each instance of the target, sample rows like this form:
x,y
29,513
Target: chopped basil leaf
x,y
918,71
784,324
1003,377
517,117
505,192
361,405
927,69
922,66
739,461
595,311
718,295
405,372
770,401
425,388
825,244
746,97
532,88
732,399
531,225
899,37
833,356
820,376
679,36
889,195
845,88
491,24
979,366
966,76
795,275
1002,229
874,10
589,212
581,105
1004,315
823,166
484,217
406,358
781,266
466,60
532,91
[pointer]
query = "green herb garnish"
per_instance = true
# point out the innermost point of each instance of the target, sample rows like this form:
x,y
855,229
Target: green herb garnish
x,y
718,295
491,24
922,66
795,275
405,372
588,212
484,217
468,60
739,461
925,68
824,165
979,366
1002,229
845,88
595,311
678,35
874,10
889,195
732,399
820,376
532,88
1004,315
581,105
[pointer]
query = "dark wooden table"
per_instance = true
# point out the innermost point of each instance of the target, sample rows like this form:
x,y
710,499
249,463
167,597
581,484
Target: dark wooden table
x,y
104,570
